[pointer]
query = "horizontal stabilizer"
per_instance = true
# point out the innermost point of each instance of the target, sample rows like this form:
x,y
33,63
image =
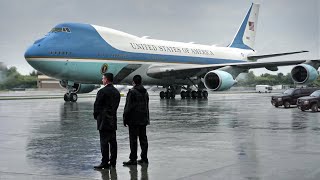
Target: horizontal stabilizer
x,y
255,58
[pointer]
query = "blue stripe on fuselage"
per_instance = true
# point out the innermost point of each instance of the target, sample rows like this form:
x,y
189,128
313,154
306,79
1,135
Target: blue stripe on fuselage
x,y
85,42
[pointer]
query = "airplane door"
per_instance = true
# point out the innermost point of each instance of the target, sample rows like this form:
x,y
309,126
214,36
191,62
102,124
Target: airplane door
x,y
70,68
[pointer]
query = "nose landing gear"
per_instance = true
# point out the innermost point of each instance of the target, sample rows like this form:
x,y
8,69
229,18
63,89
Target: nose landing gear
x,y
71,94
73,97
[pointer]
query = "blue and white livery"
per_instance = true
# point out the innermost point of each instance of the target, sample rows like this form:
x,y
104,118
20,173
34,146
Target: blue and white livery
x,y
77,54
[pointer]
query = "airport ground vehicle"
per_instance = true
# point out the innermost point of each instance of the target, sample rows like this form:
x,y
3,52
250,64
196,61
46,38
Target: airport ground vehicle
x,y
263,88
290,96
309,102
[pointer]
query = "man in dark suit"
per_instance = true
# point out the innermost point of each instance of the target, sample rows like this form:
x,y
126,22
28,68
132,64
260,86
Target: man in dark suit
x,y
136,116
105,112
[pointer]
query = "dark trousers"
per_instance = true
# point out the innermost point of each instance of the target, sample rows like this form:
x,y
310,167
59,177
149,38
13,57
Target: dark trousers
x,y
134,133
106,138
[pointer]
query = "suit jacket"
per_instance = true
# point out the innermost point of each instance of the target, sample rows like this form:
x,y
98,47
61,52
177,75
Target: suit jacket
x,y
105,108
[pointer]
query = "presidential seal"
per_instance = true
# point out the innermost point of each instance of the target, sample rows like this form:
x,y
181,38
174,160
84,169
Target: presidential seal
x,y
104,68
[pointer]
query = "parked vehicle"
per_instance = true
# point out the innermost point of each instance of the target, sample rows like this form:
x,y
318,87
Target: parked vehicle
x,y
263,88
310,102
290,96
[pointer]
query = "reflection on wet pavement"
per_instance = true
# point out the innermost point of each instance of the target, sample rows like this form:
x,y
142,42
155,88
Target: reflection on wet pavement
x,y
228,136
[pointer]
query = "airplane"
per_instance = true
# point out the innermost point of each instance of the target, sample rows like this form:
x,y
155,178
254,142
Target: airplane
x,y
77,54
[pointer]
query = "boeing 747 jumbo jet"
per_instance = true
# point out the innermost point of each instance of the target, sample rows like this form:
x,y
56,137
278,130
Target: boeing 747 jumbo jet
x,y
78,54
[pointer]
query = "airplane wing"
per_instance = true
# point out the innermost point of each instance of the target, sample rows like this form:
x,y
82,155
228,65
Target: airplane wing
x,y
185,71
256,57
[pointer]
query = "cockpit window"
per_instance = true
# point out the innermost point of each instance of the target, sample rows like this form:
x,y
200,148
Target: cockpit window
x,y
64,29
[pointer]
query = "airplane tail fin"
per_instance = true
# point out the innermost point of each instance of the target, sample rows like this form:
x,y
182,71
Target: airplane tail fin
x,y
245,37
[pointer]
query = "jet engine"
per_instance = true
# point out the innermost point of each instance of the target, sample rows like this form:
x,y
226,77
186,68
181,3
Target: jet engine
x,y
79,88
304,73
218,80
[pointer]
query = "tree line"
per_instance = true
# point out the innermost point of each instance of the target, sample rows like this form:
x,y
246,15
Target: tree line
x,y
10,78
251,80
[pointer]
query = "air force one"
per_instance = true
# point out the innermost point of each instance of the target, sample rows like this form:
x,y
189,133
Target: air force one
x,y
77,54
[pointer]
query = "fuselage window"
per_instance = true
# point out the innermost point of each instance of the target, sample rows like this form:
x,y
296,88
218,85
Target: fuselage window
x,y
64,29
56,30
60,52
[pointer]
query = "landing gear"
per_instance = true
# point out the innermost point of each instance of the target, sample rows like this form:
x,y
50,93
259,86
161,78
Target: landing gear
x,y
73,97
187,93
168,94
194,94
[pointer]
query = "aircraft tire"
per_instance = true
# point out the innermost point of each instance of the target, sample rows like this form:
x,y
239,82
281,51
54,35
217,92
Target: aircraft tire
x,y
183,94
66,97
172,95
194,94
167,95
205,94
162,94
73,97
188,94
199,94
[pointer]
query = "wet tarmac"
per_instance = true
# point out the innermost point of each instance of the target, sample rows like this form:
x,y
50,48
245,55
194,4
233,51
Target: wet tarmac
x,y
229,136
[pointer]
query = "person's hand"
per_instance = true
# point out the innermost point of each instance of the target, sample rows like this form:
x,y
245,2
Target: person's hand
x,y
125,124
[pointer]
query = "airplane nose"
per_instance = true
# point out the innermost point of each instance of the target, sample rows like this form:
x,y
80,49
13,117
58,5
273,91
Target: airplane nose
x,y
29,52
34,50
33,53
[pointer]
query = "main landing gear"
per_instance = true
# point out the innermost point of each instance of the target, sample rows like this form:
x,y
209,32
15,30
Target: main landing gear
x,y
171,93
194,94
167,94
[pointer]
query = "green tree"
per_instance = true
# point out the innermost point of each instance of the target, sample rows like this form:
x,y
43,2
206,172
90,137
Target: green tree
x,y
268,79
13,79
34,73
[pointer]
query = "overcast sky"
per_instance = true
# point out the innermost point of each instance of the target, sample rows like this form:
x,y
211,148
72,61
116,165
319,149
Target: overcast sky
x,y
284,25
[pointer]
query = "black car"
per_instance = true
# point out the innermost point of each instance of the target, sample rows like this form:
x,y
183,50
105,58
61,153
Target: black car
x,y
310,102
290,96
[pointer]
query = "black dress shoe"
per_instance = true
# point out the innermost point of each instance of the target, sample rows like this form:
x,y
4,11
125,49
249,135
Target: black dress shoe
x,y
142,161
102,166
130,162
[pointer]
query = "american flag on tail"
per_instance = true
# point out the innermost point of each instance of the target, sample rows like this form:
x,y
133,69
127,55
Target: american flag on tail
x,y
251,26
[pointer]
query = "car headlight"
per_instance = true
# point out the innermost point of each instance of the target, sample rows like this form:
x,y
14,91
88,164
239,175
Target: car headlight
x,y
279,99
306,102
